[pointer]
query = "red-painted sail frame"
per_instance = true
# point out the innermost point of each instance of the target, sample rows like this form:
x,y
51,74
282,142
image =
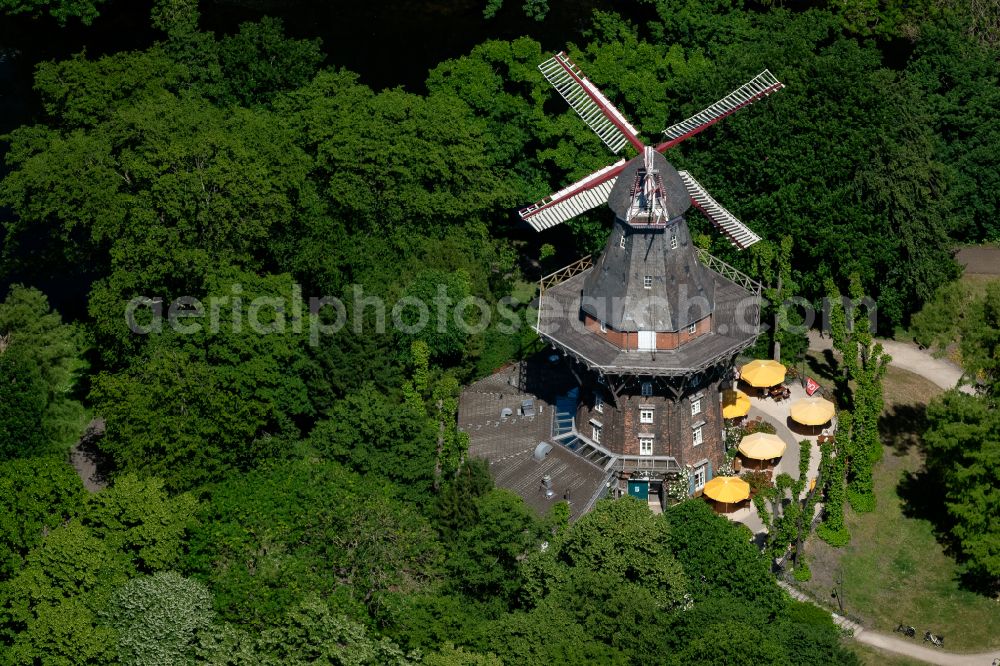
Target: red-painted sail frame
x,y
568,80
574,199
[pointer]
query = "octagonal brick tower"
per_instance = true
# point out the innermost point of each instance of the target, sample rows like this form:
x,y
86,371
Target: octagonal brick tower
x,y
651,329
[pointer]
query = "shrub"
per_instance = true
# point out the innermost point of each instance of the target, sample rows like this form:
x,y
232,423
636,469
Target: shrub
x,y
761,426
801,572
861,502
760,482
836,538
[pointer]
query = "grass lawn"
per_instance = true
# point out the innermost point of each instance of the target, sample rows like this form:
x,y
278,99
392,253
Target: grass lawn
x,y
894,570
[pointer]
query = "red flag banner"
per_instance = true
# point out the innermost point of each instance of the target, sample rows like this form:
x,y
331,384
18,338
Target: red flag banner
x,y
811,386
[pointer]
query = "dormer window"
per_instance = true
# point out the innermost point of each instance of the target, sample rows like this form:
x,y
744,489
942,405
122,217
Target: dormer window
x,y
647,282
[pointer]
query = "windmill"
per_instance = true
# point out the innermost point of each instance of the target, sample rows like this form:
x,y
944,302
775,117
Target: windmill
x,y
615,131
652,327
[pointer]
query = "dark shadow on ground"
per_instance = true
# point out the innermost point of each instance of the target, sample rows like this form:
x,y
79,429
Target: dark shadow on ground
x,y
825,367
805,430
902,426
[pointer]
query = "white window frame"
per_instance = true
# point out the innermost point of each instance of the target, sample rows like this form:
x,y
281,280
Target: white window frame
x,y
598,404
673,241
604,326
595,433
695,406
647,389
645,416
645,446
700,473
697,436
693,328
647,282
621,243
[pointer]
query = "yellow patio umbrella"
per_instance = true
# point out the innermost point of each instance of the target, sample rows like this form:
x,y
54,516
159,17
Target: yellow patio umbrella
x,y
735,404
727,489
812,411
762,446
762,373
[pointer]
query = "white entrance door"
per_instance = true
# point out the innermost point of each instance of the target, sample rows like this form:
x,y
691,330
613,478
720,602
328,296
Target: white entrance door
x,y
647,340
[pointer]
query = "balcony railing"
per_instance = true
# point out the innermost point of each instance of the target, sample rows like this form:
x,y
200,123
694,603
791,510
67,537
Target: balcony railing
x,y
564,274
727,271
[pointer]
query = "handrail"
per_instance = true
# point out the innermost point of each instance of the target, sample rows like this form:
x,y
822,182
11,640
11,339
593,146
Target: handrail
x,y
727,271
564,274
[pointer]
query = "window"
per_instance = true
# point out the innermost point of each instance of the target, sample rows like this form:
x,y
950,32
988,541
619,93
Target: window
x,y
699,476
696,406
673,241
645,446
645,416
693,328
621,243
696,436
598,404
595,433
647,282
604,327
647,389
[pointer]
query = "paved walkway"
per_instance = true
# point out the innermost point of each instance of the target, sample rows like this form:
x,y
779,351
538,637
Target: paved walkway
x,y
776,413
910,647
910,357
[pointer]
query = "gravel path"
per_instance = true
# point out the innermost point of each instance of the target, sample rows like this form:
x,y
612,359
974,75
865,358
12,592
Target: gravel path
x,y
980,259
86,460
910,357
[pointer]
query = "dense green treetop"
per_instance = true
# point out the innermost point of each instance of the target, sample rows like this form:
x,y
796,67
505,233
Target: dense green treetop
x,y
962,444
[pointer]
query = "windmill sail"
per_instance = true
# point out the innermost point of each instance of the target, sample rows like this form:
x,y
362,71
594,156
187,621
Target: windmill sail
x,y
756,88
724,221
589,103
570,201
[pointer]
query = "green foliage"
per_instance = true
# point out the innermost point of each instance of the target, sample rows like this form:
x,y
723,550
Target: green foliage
x,y
137,517
373,434
36,496
801,572
831,474
623,542
962,445
53,348
311,633
455,505
485,561
259,61
49,607
719,558
308,527
65,633
61,10
157,618
23,398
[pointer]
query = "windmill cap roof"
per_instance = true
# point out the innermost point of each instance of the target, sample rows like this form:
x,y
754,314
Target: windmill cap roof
x,y
676,197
